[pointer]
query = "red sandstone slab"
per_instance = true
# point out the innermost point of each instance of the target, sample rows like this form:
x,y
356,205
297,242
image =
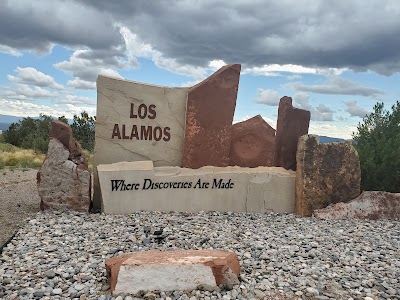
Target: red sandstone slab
x,y
252,143
209,115
292,123
171,270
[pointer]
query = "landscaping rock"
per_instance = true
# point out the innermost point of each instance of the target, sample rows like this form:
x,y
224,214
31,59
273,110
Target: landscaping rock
x,y
171,270
62,183
326,174
292,123
252,144
369,205
209,115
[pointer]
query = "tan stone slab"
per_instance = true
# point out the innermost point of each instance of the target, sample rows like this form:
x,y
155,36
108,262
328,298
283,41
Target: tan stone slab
x,y
171,270
234,189
252,144
326,174
210,109
136,122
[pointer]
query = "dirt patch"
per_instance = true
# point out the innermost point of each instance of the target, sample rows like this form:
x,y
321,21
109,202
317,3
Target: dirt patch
x,y
19,200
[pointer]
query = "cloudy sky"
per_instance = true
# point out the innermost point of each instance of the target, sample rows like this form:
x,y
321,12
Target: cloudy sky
x,y
334,58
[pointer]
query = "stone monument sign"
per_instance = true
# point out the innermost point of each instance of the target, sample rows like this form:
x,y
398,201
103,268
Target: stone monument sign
x,y
137,121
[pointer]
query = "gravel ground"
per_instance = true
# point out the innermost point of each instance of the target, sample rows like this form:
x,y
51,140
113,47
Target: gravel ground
x,y
19,200
61,256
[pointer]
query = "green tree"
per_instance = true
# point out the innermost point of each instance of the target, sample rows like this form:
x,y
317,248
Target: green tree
x,y
378,144
83,129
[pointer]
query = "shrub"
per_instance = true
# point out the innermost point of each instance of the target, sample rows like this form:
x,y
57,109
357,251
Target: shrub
x,y
378,144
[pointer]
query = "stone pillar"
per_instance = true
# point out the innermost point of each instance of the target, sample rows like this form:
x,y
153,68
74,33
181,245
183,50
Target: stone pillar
x,y
292,123
326,174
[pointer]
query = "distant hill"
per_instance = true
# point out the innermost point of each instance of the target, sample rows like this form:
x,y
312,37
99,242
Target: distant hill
x,y
6,121
326,139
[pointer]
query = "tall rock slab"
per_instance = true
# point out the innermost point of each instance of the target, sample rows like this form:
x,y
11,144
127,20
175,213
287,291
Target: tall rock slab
x,y
136,122
326,174
209,115
252,143
64,182
292,123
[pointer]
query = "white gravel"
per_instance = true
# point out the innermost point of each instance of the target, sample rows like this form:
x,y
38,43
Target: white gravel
x,y
61,256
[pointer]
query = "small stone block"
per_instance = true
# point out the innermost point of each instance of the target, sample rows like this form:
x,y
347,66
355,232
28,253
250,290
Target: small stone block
x,y
171,270
253,143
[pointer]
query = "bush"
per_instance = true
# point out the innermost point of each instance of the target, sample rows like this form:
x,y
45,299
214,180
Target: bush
x,y
378,144
34,133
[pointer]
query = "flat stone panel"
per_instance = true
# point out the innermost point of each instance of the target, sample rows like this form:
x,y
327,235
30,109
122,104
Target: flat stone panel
x,y
171,270
210,109
133,186
252,143
326,174
292,123
136,122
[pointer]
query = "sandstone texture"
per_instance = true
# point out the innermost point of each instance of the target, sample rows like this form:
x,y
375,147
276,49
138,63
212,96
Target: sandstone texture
x,y
369,205
171,270
63,133
63,184
135,122
326,174
128,187
209,115
292,123
252,143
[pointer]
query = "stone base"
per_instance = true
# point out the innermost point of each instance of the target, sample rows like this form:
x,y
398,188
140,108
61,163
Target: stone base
x,y
128,187
171,270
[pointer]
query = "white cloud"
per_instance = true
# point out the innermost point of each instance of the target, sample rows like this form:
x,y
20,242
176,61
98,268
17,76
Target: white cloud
x,y
82,84
354,109
267,97
23,91
32,76
86,65
24,109
216,64
344,132
319,113
9,50
336,86
73,99
294,77
274,69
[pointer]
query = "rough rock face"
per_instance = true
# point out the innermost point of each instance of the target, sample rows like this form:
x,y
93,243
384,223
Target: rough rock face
x,y
369,205
252,144
209,115
292,123
326,174
64,182
63,133
171,270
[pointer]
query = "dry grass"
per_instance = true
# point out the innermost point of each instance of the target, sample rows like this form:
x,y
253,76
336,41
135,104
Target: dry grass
x,y
14,157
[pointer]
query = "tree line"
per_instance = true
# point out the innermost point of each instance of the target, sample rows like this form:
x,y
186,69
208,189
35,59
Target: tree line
x,y
377,141
30,133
